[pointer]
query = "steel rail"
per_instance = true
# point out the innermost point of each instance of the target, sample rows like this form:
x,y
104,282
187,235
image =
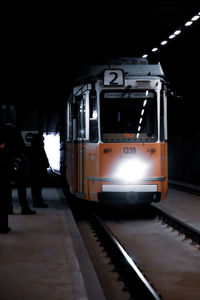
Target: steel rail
x,y
134,280
177,224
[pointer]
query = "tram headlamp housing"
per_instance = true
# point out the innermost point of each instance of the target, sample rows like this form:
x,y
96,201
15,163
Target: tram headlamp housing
x,y
131,170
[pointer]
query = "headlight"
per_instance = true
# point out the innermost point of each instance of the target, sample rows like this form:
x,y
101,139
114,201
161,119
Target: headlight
x,y
130,170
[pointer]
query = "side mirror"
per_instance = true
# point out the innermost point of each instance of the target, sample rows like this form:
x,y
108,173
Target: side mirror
x,y
171,92
175,95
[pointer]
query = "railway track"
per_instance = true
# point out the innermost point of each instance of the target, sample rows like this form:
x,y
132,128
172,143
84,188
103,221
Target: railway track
x,y
178,225
136,283
141,247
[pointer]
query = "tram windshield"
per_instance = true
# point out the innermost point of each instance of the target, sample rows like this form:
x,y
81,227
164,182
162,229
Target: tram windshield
x,y
128,116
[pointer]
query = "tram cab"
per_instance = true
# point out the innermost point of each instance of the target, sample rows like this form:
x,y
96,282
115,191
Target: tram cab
x,y
116,135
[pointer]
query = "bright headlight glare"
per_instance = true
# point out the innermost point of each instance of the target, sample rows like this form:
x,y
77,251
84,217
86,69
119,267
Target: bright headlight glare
x,y
131,170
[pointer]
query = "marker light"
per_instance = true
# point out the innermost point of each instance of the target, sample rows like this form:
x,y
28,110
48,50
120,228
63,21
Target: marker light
x,y
154,49
131,169
171,36
163,43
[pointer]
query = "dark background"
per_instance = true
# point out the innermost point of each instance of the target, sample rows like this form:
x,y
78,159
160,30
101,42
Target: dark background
x,y
43,46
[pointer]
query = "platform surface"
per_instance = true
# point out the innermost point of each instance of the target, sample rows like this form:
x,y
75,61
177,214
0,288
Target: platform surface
x,y
38,259
182,205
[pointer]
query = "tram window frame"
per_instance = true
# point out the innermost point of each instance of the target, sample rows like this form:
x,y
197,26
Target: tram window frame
x,y
80,102
70,120
162,114
126,139
93,124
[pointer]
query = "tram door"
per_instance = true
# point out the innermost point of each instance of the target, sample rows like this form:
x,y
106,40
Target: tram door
x,y
80,146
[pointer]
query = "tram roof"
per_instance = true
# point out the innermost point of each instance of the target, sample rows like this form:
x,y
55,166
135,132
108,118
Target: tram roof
x,y
132,67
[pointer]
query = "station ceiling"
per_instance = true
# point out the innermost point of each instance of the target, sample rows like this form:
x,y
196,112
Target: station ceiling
x,y
42,54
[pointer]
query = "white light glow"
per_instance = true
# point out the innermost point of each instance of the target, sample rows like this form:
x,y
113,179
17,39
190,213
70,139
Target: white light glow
x,y
94,114
139,127
144,103
137,136
177,32
132,169
188,23
140,121
142,112
145,55
195,18
52,148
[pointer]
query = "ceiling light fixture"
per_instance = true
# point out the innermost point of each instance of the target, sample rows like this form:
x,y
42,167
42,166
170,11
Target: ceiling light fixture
x,y
195,18
188,23
176,32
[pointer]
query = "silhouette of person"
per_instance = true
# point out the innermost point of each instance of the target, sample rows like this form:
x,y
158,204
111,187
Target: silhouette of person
x,y
5,183
39,164
16,151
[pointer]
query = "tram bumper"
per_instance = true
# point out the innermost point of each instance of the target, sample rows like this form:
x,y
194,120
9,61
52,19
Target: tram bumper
x,y
129,194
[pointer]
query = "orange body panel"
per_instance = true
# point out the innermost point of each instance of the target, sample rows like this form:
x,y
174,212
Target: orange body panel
x,y
90,165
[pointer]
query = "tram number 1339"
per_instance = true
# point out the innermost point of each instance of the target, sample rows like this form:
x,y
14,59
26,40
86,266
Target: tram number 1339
x,y
114,77
129,150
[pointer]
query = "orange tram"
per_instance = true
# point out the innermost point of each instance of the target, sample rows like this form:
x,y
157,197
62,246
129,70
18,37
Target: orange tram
x,y
116,134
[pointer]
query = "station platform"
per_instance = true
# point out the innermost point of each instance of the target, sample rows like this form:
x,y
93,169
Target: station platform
x,y
43,257
185,184
183,205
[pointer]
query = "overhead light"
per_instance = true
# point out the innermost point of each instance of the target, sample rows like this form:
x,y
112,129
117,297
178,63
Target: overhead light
x,y
177,32
195,18
188,23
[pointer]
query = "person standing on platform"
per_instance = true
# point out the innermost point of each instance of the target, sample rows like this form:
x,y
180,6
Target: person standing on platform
x,y
16,151
4,183
39,164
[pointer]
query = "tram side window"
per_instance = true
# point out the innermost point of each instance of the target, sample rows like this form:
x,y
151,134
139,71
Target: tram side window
x,y
161,118
93,117
70,120
81,117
